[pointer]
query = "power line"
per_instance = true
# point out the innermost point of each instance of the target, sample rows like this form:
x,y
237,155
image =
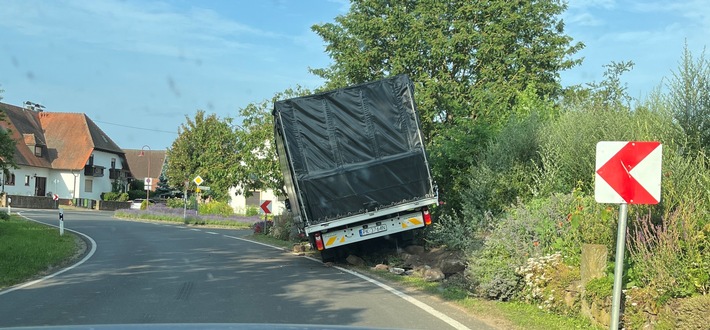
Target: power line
x,y
141,128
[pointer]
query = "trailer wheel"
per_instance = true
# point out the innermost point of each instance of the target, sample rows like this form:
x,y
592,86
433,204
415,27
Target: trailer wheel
x,y
328,255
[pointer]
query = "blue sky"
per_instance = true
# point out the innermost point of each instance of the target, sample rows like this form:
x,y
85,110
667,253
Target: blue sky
x,y
148,64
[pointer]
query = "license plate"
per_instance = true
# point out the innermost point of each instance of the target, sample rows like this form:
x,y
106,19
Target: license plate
x,y
373,230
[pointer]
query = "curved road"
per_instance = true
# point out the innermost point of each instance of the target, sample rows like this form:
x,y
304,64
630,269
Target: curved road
x,y
143,272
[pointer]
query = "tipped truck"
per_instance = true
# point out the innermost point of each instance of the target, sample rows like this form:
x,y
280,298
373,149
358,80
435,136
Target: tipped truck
x,y
354,163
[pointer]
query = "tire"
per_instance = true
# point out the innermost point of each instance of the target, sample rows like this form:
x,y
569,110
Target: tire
x,y
328,255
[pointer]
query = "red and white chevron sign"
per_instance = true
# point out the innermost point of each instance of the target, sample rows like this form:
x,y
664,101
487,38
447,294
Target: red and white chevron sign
x,y
628,172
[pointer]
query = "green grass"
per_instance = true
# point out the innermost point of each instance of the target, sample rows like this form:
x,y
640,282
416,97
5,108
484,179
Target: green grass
x,y
179,219
28,248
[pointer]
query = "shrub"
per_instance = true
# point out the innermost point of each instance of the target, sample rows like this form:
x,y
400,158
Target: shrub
x,y
285,228
455,232
688,313
251,210
218,208
176,203
4,215
673,256
262,227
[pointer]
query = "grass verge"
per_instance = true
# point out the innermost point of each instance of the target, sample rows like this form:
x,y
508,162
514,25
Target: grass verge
x,y
179,219
28,249
505,315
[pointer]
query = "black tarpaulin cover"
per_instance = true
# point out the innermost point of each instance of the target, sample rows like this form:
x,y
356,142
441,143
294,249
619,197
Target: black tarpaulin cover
x,y
354,149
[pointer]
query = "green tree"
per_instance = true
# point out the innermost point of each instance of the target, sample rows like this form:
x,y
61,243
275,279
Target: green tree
x,y
258,168
468,58
689,99
163,186
205,146
7,145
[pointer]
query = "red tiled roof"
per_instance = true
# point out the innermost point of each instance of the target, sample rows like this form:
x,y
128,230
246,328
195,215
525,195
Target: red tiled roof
x,y
23,123
70,138
139,164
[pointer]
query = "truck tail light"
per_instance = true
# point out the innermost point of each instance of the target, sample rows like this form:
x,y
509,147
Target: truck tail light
x,y
319,242
427,216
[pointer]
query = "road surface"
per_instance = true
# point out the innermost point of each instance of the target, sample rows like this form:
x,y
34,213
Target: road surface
x,y
149,272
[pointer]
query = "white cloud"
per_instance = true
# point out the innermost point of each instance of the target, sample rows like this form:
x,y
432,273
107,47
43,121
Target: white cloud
x,y
143,27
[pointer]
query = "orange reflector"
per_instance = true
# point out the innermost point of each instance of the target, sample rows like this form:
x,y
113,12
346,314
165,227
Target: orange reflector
x,y
319,242
427,216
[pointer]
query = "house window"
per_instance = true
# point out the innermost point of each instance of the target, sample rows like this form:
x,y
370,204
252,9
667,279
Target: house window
x,y
38,151
89,185
27,180
10,179
90,162
113,163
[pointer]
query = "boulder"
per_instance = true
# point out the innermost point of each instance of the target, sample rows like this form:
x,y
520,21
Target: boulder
x,y
411,260
397,271
434,275
414,249
452,266
355,260
381,267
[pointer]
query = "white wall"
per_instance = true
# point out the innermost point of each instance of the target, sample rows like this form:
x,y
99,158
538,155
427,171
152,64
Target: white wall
x,y
66,180
238,202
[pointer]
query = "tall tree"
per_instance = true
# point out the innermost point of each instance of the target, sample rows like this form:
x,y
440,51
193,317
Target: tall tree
x,y
205,146
7,146
259,167
689,99
468,58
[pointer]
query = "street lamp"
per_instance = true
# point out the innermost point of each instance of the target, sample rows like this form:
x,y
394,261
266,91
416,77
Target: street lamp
x,y
147,190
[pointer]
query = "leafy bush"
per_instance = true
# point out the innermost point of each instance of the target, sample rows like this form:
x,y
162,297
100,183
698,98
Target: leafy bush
x,y
251,211
262,227
4,215
688,313
115,196
285,228
135,194
673,256
214,207
176,203
455,232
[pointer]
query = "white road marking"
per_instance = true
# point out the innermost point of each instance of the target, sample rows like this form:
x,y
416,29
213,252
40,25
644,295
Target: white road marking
x,y
441,316
193,229
211,233
91,253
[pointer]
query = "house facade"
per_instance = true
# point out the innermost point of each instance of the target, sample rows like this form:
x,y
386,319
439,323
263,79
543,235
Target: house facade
x,y
65,154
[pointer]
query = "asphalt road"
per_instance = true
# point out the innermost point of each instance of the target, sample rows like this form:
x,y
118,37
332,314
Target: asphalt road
x,y
143,272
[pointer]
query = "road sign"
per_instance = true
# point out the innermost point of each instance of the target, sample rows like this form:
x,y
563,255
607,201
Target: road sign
x,y
265,206
55,197
198,180
148,183
628,172
205,188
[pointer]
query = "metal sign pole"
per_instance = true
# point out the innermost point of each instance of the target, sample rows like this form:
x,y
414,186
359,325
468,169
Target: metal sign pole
x,y
618,267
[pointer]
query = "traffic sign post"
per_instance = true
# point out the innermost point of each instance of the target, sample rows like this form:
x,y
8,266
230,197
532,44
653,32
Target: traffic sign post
x,y
626,173
265,206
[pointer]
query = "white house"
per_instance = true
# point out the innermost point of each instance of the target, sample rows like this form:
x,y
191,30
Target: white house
x,y
65,154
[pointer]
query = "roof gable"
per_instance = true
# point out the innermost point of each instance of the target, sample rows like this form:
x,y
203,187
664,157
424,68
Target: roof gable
x,y
26,130
68,139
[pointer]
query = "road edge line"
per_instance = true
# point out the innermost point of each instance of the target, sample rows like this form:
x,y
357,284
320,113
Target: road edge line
x,y
33,282
414,301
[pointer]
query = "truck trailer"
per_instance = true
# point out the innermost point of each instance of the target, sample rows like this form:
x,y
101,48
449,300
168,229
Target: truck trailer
x,y
354,163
